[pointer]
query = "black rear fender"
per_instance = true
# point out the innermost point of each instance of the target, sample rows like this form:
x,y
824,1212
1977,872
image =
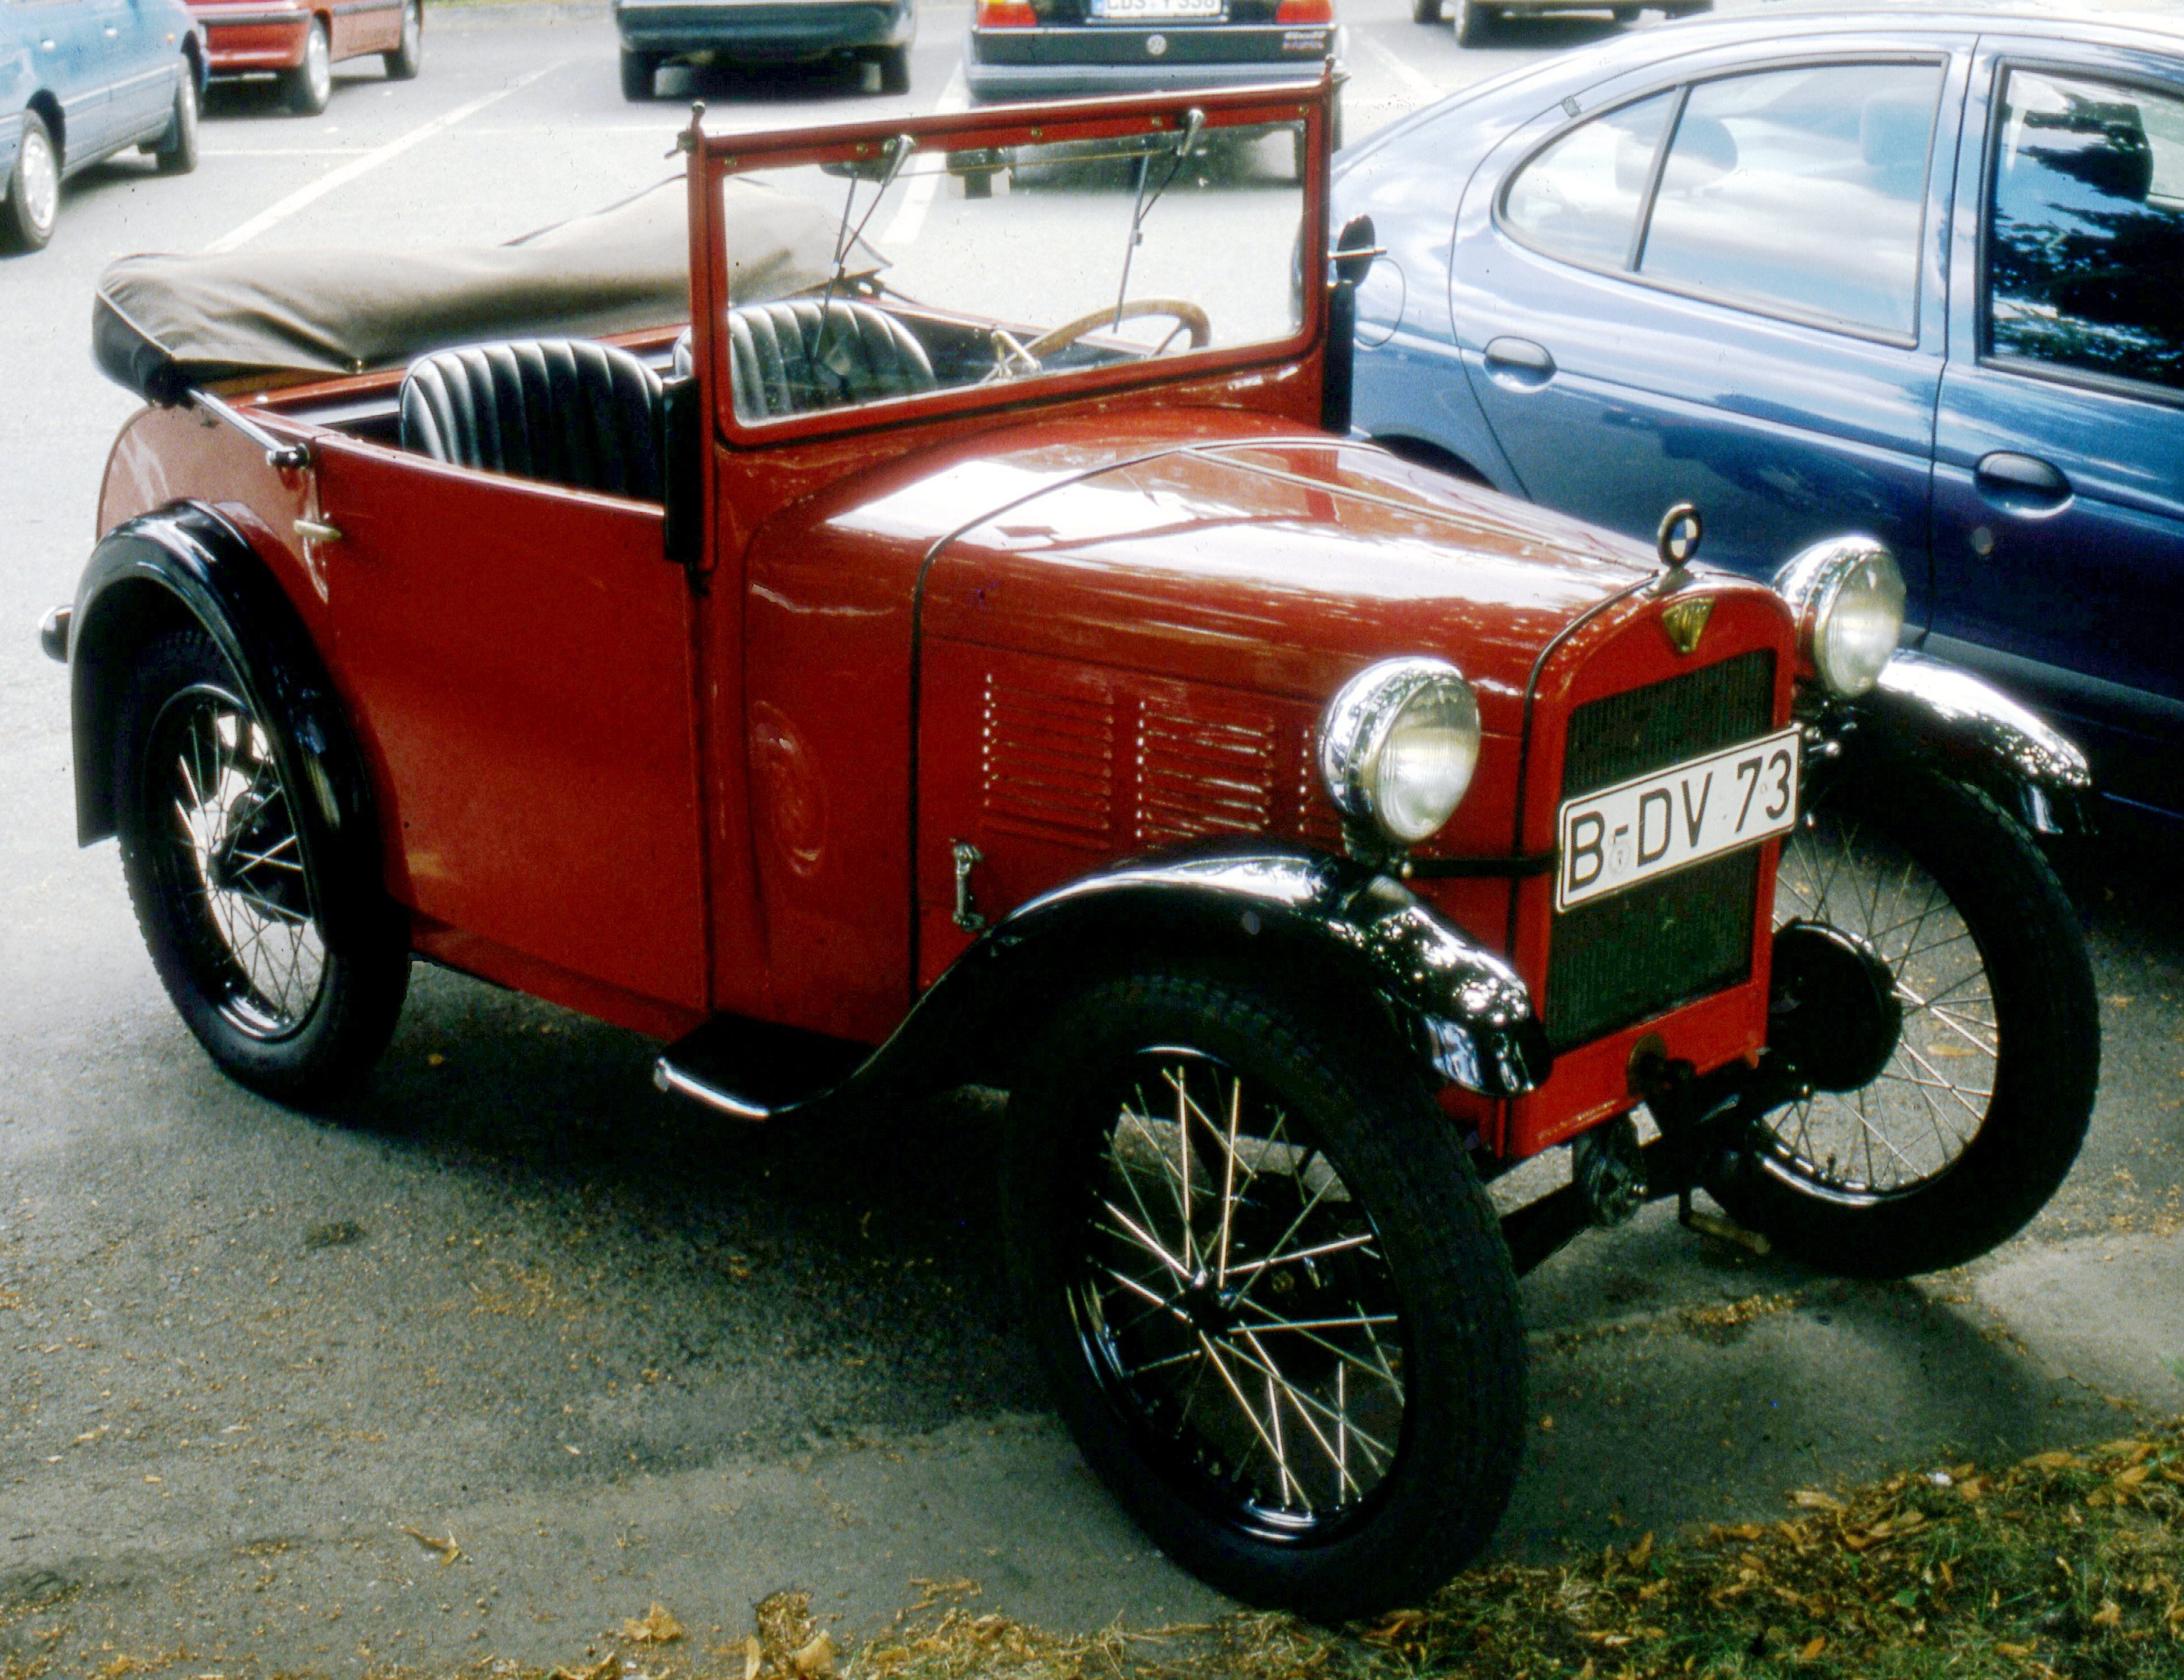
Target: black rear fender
x,y
183,565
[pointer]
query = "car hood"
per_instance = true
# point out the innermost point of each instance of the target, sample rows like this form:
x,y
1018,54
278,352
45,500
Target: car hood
x,y
1278,563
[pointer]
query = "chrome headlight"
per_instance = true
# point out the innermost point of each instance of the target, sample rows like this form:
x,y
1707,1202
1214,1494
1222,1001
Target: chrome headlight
x,y
1398,745
1847,593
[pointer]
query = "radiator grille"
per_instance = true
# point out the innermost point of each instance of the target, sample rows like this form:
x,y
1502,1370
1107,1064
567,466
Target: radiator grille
x,y
1618,959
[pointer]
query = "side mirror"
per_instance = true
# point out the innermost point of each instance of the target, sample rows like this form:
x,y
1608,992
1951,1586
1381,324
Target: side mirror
x,y
1354,248
682,463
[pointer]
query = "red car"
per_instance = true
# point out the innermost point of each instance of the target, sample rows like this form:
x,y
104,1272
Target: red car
x,y
299,42
973,649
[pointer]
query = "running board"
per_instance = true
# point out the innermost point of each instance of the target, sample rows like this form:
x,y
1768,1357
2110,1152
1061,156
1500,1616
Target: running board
x,y
750,1070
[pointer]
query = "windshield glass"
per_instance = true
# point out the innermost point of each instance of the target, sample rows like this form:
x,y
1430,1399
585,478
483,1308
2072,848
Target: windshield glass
x,y
1001,266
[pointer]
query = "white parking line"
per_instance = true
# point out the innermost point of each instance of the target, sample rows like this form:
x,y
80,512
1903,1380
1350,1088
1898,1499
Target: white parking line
x,y
1419,83
917,197
305,196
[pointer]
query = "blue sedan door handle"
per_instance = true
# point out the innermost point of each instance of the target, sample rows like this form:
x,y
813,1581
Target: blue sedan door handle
x,y
1518,363
2021,483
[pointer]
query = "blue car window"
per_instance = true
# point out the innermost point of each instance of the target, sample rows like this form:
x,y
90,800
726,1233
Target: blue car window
x,y
2085,247
1579,198
1802,191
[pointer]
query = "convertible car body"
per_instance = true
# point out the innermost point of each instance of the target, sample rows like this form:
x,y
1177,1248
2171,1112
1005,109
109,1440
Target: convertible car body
x,y
867,685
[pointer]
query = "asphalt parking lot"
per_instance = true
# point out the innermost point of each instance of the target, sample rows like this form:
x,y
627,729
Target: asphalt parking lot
x,y
512,1347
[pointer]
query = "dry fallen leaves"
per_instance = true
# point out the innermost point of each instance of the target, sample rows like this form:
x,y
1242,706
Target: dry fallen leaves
x,y
450,1551
656,1627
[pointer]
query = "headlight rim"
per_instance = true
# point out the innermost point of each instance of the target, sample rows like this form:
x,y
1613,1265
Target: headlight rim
x,y
1813,582
1359,722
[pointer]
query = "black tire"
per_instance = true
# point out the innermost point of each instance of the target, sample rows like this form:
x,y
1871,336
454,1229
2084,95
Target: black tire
x,y
177,153
638,70
34,189
1627,15
1425,11
894,69
235,943
977,183
1474,22
1980,1108
407,57
309,87
1406,1324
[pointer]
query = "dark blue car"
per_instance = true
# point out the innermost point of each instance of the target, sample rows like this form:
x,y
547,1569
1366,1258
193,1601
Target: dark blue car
x,y
82,79
1919,274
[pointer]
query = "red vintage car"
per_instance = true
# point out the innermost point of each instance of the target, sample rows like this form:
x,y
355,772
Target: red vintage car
x,y
299,42
973,649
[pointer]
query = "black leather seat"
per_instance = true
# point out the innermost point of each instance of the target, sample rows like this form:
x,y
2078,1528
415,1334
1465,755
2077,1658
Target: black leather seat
x,y
783,364
565,410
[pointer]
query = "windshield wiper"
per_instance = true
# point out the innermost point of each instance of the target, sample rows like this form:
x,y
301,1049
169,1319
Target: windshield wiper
x,y
1194,123
847,240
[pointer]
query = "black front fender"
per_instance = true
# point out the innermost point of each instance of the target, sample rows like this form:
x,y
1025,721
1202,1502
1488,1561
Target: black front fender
x,y
1333,929
186,565
1926,710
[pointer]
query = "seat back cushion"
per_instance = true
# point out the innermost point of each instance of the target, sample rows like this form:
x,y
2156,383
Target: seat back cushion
x,y
791,357
564,410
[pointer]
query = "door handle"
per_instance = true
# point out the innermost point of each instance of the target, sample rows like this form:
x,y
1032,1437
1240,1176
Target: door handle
x,y
112,33
1518,363
2019,481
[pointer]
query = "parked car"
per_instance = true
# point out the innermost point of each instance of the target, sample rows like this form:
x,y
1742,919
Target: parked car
x,y
1051,49
1475,20
299,42
909,673
1915,270
657,32
80,81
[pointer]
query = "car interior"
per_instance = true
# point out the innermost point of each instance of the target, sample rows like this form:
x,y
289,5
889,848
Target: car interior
x,y
584,412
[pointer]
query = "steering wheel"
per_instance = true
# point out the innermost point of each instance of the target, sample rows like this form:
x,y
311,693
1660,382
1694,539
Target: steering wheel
x,y
1188,317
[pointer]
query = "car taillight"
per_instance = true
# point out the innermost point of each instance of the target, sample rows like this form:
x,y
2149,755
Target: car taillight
x,y
1011,14
1305,12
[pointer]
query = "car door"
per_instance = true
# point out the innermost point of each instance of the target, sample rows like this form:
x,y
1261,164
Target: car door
x,y
1723,288
68,57
518,659
2059,505
141,100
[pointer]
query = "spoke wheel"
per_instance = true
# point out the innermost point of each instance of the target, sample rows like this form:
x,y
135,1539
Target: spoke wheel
x,y
1236,1302
1272,1299
225,887
1946,1111
229,850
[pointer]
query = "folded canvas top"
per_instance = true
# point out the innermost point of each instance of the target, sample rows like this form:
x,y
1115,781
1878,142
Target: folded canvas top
x,y
163,324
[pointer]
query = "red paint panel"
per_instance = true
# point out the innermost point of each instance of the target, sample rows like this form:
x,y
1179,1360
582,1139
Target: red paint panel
x,y
517,658
231,48
1201,562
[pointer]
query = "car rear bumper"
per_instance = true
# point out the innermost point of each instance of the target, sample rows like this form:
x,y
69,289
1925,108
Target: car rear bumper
x,y
764,29
254,38
1052,64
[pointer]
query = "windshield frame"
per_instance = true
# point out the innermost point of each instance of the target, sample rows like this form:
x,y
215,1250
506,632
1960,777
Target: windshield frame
x,y
716,157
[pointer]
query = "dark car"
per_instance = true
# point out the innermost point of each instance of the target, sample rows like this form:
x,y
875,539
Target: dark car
x,y
1924,271
80,80
656,32
1051,49
299,42
871,674
1475,20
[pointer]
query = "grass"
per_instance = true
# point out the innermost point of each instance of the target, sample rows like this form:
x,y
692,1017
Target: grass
x,y
2067,1564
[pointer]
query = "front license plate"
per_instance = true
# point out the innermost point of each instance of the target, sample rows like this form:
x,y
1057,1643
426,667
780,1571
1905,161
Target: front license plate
x,y
1155,11
1652,825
